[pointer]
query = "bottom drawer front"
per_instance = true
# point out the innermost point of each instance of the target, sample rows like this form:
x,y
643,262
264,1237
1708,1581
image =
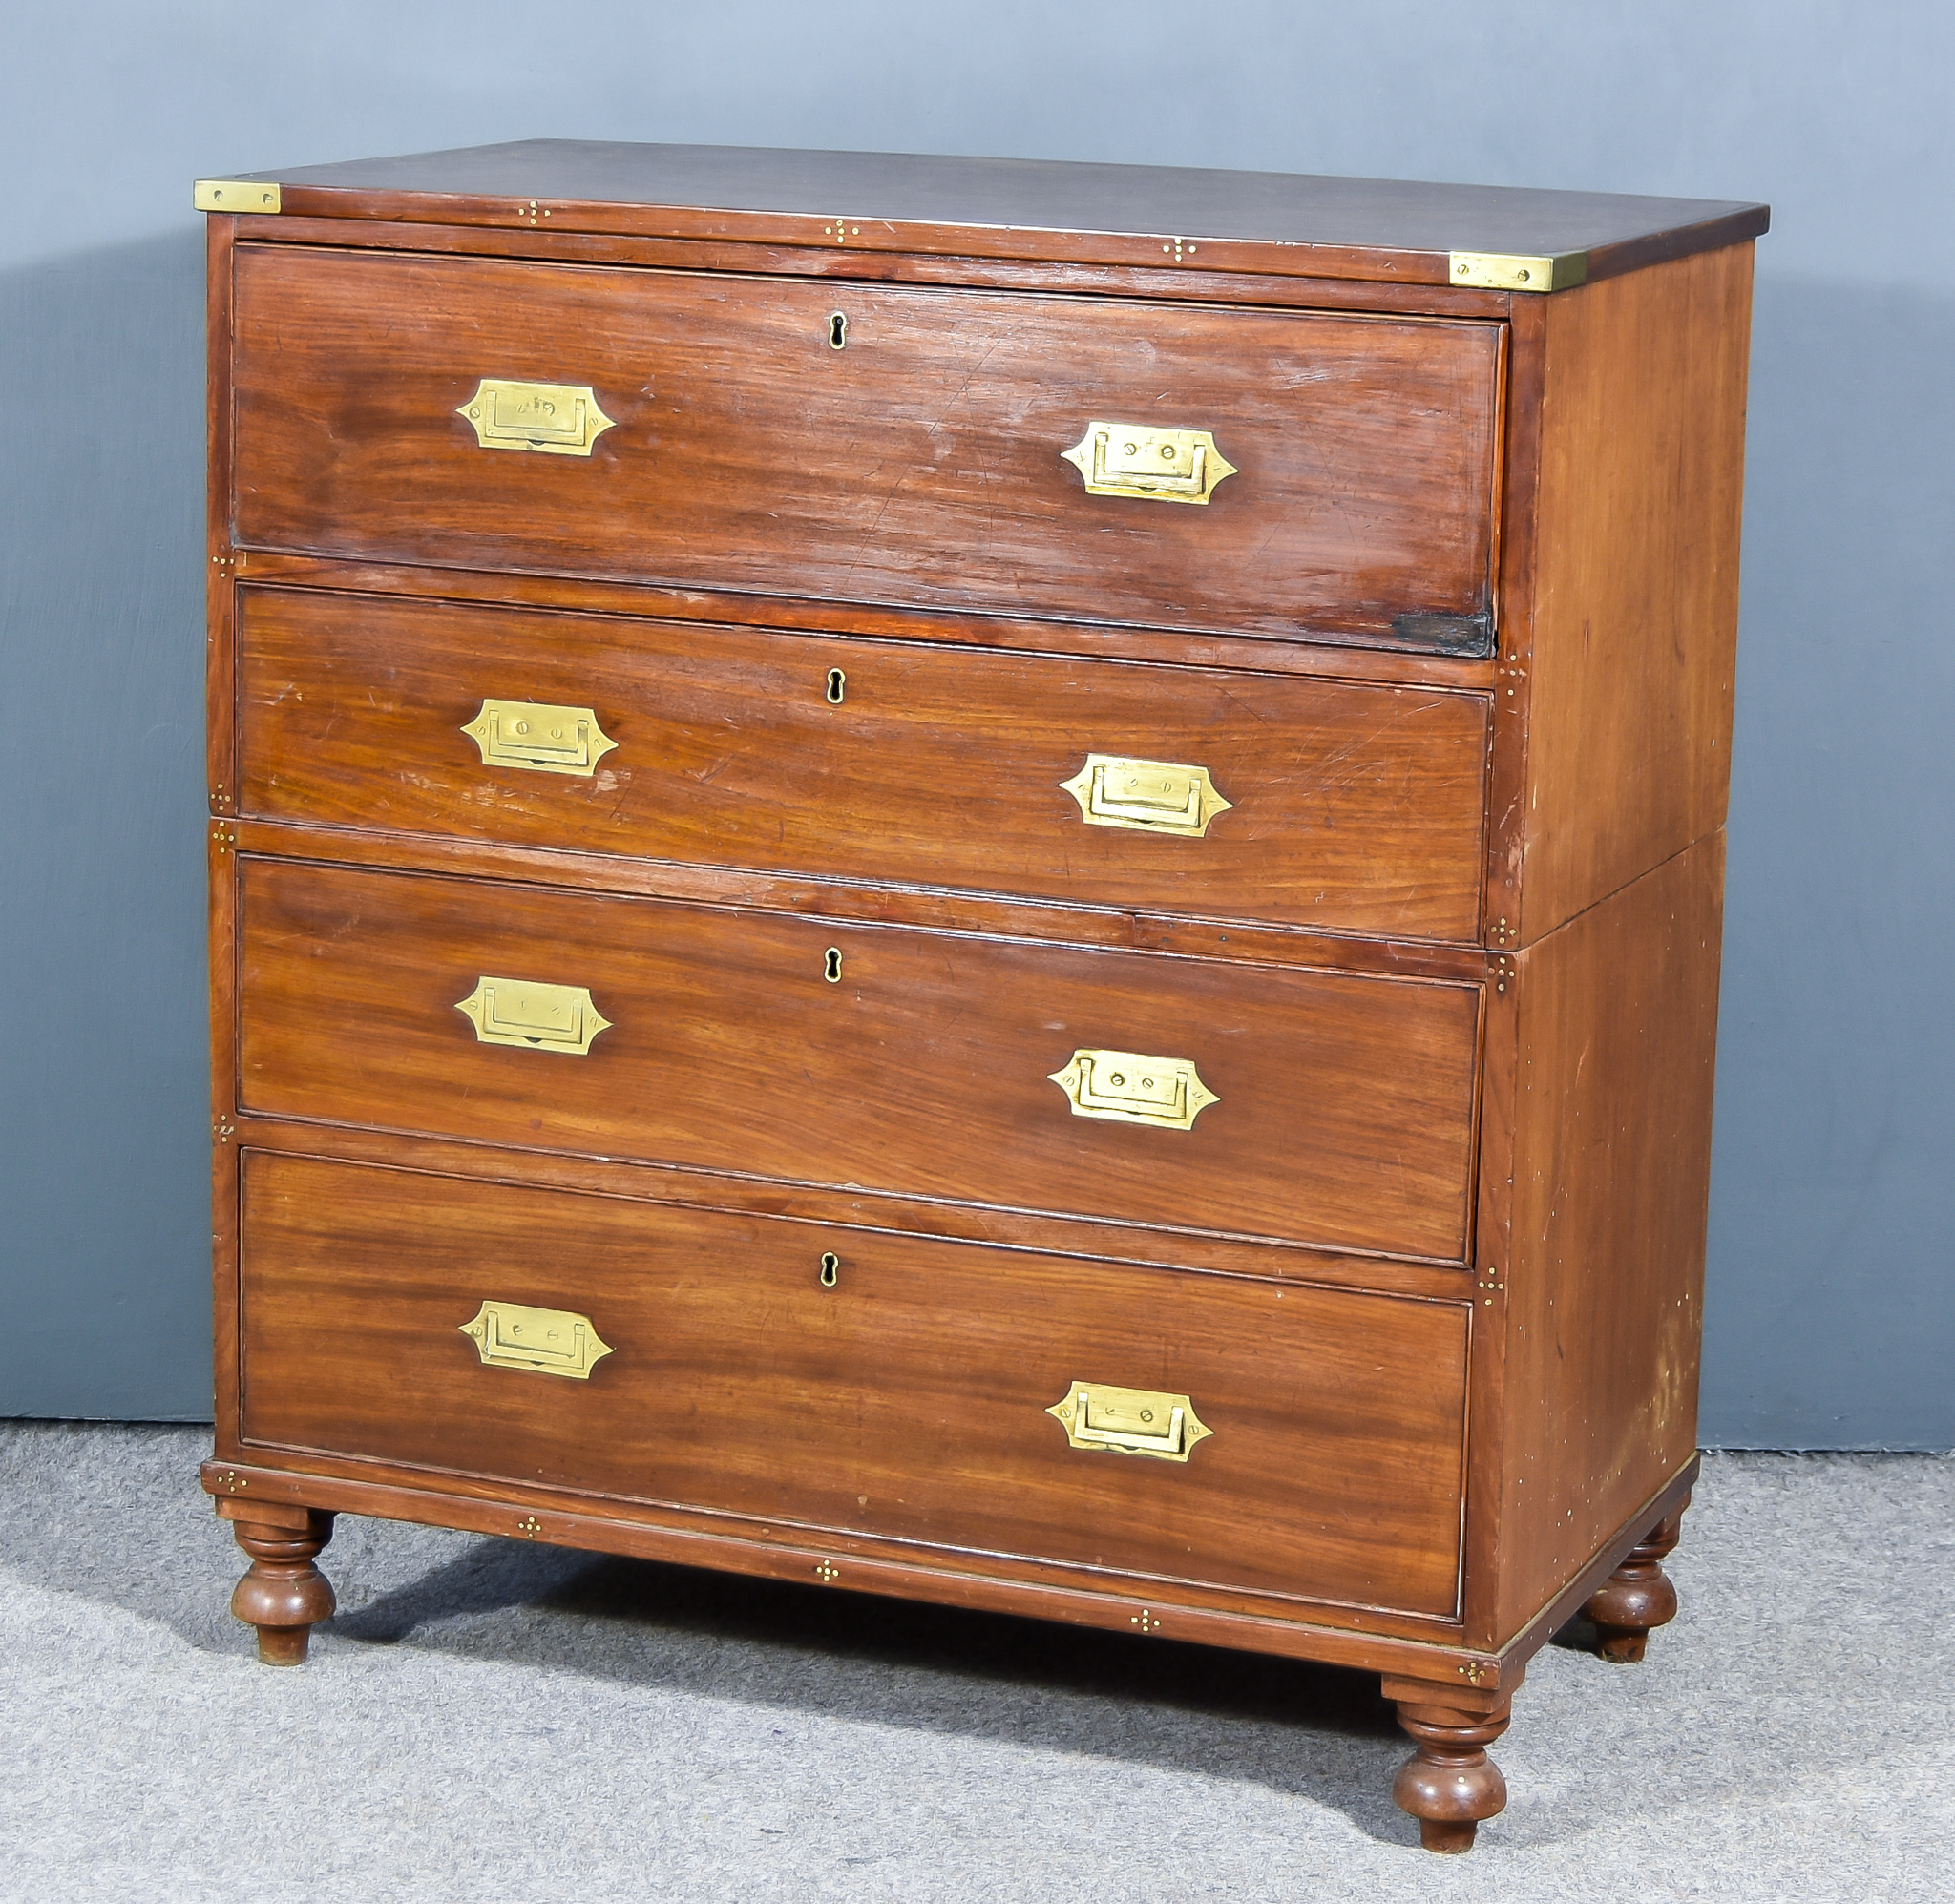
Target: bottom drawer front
x,y
909,1388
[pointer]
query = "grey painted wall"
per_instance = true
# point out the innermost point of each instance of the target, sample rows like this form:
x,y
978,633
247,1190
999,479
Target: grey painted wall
x,y
1830,1316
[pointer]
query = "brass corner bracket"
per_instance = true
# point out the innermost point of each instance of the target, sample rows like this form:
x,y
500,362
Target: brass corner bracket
x,y
1506,271
235,195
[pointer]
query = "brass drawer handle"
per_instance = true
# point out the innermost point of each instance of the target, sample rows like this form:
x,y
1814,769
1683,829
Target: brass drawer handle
x,y
1129,1421
539,737
1145,796
1129,1087
549,1342
1131,459
557,419
543,1017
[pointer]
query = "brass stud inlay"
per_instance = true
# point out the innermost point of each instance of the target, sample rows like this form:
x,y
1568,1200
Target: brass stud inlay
x,y
529,1527
824,1573
1145,1620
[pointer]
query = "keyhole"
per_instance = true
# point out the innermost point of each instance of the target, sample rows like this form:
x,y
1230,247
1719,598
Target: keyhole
x,y
838,686
838,331
831,1266
831,966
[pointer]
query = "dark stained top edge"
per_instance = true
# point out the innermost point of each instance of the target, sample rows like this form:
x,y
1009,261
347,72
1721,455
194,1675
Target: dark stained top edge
x,y
1046,195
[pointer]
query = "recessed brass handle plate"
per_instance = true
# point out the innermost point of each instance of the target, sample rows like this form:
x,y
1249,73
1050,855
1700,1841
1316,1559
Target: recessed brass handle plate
x,y
1145,796
1129,1087
1104,1420
551,1342
539,737
543,1017
558,419
1130,459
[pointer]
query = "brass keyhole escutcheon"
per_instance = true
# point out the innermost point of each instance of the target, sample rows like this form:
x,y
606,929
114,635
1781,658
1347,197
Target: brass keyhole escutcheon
x,y
838,331
830,1268
837,687
831,965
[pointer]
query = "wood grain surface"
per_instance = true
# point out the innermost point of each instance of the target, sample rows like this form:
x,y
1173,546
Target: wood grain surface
x,y
1355,807
1150,272
906,1402
1394,231
1346,1102
708,608
1616,1037
919,465
1629,674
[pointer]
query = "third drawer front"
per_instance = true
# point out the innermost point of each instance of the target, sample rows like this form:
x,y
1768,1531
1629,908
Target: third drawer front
x,y
1353,807
1312,1106
904,1391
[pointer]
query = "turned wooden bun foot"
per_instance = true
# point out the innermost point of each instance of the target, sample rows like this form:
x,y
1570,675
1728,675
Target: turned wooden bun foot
x,y
284,1596
1449,1784
1636,1596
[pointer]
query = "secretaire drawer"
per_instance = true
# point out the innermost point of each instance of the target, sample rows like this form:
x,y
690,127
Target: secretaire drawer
x,y
1241,470
697,1359
1322,1107
1305,802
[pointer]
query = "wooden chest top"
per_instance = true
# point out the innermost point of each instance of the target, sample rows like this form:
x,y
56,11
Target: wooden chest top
x,y
1390,230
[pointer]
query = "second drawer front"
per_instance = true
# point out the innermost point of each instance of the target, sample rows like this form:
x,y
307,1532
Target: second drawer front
x,y
1351,807
907,1400
894,1061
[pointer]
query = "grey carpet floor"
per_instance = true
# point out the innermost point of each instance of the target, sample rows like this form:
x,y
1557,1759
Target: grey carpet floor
x,y
488,1720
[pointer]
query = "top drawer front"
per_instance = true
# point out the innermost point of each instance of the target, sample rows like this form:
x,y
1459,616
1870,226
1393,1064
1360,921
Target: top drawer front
x,y
920,464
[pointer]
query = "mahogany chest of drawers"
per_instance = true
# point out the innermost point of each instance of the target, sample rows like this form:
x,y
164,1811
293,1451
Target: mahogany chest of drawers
x,y
986,881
